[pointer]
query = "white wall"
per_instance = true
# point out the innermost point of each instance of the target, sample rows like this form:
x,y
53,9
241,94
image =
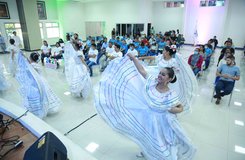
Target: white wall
x,y
208,21
113,12
235,23
52,16
71,17
165,19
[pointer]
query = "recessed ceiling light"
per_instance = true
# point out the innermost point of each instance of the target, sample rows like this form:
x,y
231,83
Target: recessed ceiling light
x,y
67,93
239,123
91,147
237,90
240,149
238,103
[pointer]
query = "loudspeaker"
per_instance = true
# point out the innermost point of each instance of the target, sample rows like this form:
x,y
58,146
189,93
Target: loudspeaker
x,y
47,147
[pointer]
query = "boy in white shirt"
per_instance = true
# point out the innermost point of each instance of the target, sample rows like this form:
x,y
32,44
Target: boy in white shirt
x,y
103,60
45,51
92,55
132,50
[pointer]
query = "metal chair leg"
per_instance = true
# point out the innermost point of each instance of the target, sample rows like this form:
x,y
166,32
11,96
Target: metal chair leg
x,y
230,99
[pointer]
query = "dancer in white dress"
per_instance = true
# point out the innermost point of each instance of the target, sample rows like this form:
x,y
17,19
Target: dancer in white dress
x,y
186,85
13,57
76,70
37,95
4,85
144,114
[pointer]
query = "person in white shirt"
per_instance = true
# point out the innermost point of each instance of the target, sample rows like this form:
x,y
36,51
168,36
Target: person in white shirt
x,y
132,50
128,40
45,51
13,57
57,52
117,53
103,60
92,55
16,39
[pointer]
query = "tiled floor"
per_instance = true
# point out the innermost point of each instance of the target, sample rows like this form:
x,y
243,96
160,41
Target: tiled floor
x,y
218,132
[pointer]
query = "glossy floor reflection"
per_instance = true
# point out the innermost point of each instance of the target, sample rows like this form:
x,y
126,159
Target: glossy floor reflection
x,y
217,131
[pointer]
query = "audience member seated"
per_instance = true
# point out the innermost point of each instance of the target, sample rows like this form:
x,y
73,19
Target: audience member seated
x,y
110,56
62,43
143,50
124,47
180,41
223,60
136,43
118,41
161,46
57,52
195,61
228,73
228,44
113,39
132,50
128,39
92,55
103,60
208,55
45,51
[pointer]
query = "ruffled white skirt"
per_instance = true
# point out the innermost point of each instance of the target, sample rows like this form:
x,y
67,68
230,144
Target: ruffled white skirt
x,y
37,95
120,101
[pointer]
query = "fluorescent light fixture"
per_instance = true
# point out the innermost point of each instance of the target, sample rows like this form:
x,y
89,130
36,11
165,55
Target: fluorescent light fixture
x,y
91,147
238,103
237,90
67,93
240,149
239,123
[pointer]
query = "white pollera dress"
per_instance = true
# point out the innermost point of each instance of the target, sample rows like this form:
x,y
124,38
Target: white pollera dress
x,y
132,106
37,95
186,85
76,72
4,85
13,60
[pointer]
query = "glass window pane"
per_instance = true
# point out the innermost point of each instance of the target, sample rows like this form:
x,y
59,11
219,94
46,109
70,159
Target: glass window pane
x,y
40,25
17,25
53,32
48,24
55,24
41,30
9,25
123,30
129,28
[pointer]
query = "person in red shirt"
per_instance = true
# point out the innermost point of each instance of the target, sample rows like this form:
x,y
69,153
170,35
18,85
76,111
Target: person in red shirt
x,y
195,61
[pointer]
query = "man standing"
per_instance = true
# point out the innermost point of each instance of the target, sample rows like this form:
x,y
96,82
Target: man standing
x,y
2,43
228,73
215,41
16,39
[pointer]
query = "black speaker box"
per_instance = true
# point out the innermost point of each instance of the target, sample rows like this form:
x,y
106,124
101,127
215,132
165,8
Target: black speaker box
x,y
47,147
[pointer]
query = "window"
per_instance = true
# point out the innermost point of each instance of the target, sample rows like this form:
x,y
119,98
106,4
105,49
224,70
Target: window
x,y
41,29
174,4
211,3
10,27
52,29
123,29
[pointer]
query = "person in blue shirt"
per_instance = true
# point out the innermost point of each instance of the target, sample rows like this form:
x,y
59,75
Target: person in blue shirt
x,y
118,41
143,50
89,42
161,45
136,43
208,55
228,73
124,47
113,39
